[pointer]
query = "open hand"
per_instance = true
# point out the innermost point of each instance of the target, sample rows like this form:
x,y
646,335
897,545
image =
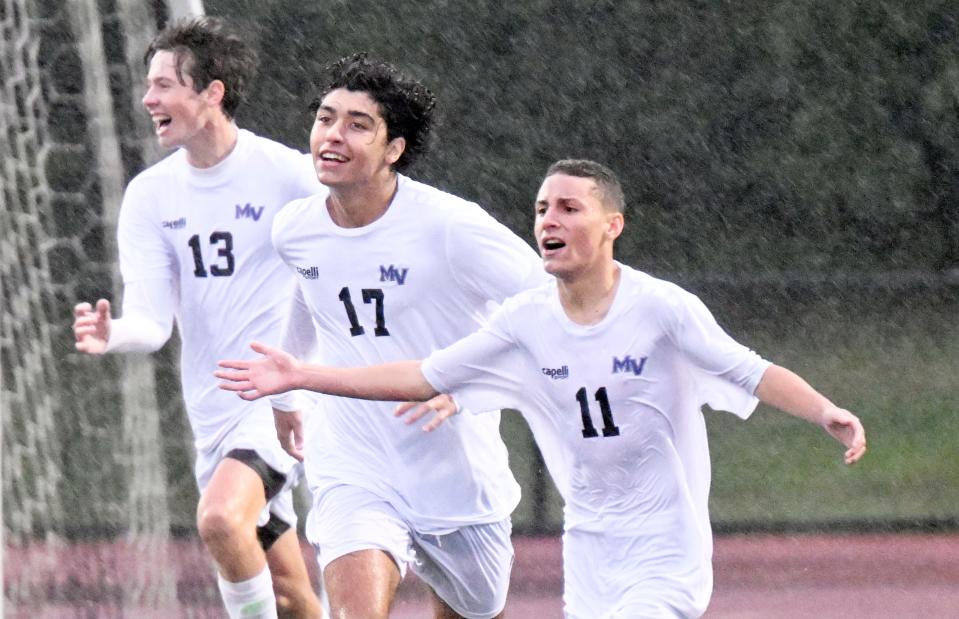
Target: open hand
x,y
252,379
91,327
847,429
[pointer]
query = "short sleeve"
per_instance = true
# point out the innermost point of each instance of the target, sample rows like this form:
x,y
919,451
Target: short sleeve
x,y
498,264
482,370
728,372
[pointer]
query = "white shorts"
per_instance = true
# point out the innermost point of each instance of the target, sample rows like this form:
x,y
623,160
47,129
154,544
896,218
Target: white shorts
x,y
256,433
621,577
469,568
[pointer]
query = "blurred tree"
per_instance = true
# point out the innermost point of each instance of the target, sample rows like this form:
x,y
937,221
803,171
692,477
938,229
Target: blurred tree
x,y
786,137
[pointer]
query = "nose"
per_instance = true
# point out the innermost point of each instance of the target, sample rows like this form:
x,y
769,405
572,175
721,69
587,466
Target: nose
x,y
149,98
334,133
548,218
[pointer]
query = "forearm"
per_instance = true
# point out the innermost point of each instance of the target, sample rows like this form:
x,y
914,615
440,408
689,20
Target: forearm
x,y
787,391
395,382
135,333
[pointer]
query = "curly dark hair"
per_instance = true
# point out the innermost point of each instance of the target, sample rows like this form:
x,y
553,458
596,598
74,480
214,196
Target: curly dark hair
x,y
207,50
406,104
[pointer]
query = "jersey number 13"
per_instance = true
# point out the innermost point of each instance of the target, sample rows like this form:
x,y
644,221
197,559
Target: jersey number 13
x,y
223,241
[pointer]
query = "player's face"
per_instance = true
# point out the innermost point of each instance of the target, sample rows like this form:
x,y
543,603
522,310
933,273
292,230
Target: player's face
x,y
179,113
349,140
574,231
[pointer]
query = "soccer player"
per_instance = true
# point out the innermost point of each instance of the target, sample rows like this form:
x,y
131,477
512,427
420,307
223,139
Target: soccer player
x,y
389,269
610,367
194,241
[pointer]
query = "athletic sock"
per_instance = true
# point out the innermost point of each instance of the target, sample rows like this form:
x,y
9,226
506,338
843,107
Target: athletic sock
x,y
249,599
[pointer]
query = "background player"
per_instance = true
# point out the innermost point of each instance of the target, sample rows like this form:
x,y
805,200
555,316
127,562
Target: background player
x,y
194,238
610,367
390,268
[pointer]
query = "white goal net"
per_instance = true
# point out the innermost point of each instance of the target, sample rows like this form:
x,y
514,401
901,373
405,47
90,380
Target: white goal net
x,y
92,465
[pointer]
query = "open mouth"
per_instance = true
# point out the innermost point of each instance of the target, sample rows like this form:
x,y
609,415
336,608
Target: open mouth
x,y
553,244
161,122
333,157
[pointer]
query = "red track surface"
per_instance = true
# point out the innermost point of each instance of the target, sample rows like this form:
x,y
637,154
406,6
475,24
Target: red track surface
x,y
787,577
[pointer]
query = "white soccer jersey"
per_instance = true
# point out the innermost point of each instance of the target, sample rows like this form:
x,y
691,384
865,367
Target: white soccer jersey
x,y
205,235
422,276
615,407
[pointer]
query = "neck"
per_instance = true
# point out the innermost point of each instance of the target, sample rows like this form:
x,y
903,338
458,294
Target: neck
x,y
217,141
360,205
586,299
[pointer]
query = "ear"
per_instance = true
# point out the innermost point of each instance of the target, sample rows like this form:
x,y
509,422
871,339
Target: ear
x,y
395,150
214,93
615,225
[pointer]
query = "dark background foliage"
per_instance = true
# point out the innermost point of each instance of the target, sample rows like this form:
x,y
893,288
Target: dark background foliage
x,y
751,137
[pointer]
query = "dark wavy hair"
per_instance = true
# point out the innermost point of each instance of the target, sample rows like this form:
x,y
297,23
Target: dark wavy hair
x,y
406,104
206,50
606,180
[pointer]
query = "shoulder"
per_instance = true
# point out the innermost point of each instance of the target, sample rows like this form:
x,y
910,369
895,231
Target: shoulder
x,y
435,201
664,302
531,301
155,181
291,215
648,286
171,164
268,147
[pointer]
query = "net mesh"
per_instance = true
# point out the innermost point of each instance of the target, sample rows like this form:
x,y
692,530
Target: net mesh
x,y
85,458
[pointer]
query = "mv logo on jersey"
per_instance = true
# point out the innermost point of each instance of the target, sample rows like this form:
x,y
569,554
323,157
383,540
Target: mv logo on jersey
x,y
310,273
628,364
393,274
248,211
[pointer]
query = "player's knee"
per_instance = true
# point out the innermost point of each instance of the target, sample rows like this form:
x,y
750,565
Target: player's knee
x,y
217,525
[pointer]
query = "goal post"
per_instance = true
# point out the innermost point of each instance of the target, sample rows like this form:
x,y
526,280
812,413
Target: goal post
x,y
82,452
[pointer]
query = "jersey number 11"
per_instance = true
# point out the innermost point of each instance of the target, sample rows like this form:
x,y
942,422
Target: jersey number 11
x,y
609,426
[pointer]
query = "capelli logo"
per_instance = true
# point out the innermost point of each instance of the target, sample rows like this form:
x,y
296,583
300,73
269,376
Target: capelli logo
x,y
174,224
557,373
310,273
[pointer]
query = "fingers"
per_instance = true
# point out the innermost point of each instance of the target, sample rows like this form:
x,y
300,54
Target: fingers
x,y
401,409
261,348
234,384
437,421
415,411
231,364
81,309
298,440
850,432
103,309
857,449
291,443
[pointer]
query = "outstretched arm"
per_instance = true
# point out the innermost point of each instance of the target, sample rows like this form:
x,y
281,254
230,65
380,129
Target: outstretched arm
x,y
279,372
788,392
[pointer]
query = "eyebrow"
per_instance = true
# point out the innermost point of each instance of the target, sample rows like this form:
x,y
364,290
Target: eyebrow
x,y
560,201
352,113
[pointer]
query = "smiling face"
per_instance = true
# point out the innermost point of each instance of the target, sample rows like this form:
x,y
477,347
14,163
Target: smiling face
x,y
179,113
349,140
574,230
